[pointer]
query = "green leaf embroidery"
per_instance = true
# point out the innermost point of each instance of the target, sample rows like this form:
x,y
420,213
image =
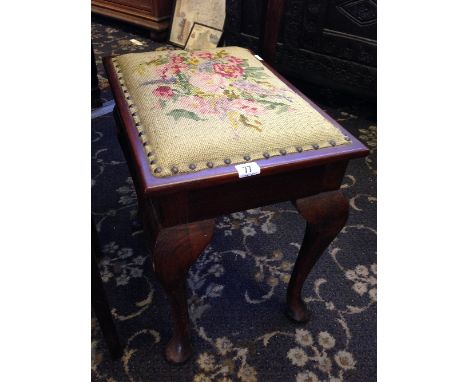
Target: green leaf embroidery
x,y
255,73
156,62
282,109
222,53
181,113
246,122
270,104
230,94
184,84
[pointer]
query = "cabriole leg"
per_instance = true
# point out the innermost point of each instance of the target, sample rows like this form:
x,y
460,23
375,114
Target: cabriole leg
x,y
175,250
326,214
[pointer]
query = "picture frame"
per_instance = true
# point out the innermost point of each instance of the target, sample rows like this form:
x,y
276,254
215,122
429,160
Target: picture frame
x,y
210,13
203,37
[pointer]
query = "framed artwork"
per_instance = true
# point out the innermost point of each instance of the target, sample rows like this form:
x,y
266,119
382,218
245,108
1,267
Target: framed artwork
x,y
209,13
203,37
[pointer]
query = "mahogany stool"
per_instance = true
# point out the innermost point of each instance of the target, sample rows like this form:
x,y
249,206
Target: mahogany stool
x,y
192,125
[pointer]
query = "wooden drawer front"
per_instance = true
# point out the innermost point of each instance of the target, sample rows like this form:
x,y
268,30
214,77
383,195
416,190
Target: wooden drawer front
x,y
145,5
162,8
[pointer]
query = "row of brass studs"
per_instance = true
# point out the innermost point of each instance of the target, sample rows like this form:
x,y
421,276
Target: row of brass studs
x,y
132,108
247,158
192,166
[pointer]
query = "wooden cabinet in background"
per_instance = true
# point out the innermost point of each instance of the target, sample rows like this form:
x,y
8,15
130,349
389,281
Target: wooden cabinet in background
x,y
154,15
331,43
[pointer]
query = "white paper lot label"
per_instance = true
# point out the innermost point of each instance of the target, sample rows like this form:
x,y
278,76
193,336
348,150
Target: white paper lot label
x,y
247,169
136,42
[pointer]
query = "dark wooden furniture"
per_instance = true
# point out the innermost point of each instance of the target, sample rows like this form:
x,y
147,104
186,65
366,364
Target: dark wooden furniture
x,y
150,14
331,43
99,301
178,211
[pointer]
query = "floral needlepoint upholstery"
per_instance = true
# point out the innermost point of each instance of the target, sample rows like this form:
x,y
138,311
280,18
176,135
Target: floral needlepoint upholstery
x,y
205,109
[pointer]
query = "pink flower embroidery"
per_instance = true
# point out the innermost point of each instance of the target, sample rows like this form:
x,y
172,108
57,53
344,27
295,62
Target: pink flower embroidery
x,y
161,71
228,71
179,68
163,91
198,104
170,70
247,106
177,59
250,86
206,84
209,83
234,60
201,54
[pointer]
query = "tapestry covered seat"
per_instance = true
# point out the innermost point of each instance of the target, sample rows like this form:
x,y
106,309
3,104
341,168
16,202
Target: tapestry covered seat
x,y
205,109
184,120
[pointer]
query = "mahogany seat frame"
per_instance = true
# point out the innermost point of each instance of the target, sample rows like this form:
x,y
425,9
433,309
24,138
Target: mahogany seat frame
x,y
178,212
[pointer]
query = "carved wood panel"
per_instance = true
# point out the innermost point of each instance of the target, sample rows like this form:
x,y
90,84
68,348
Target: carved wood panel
x,y
329,42
244,21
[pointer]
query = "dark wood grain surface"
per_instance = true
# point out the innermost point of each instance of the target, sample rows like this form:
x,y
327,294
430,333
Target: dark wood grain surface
x,y
274,16
174,251
326,215
329,43
153,15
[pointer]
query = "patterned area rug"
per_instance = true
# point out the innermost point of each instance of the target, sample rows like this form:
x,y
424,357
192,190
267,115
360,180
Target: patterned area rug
x,y
237,287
